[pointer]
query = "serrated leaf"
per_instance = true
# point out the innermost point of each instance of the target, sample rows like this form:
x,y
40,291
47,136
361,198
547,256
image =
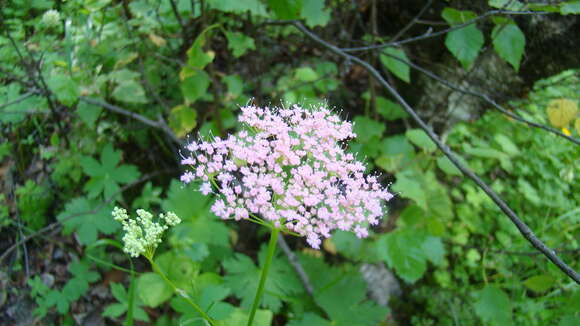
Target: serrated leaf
x,y
88,113
242,276
509,42
106,175
65,88
239,43
403,251
152,289
421,139
493,306
314,13
367,128
87,218
399,68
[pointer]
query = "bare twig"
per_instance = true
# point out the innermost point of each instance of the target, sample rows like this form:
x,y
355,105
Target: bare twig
x,y
296,265
442,32
485,98
412,22
155,124
523,228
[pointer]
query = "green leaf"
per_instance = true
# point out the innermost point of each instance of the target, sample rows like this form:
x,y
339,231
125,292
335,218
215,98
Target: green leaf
x,y
434,250
239,43
309,319
197,59
129,91
465,44
314,13
87,218
240,317
242,276
195,86
390,110
455,17
182,120
153,290
447,166
235,86
403,251
506,144
286,9
106,175
493,306
507,4
255,7
540,283
421,139
399,68
305,74
117,309
88,113
509,42
96,5
65,88
186,201
570,7
367,128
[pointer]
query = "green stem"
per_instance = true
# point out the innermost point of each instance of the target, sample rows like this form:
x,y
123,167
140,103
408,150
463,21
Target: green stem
x,y
180,292
264,276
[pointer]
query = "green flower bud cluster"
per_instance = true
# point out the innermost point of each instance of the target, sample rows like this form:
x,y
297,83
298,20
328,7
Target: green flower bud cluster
x,y
143,234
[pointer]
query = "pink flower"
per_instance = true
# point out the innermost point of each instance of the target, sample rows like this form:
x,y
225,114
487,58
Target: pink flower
x,y
289,166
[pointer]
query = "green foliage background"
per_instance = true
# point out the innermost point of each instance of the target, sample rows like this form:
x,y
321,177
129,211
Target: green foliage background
x,y
94,105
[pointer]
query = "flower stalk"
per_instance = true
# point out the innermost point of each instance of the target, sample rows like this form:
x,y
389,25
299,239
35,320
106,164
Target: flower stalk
x,y
264,274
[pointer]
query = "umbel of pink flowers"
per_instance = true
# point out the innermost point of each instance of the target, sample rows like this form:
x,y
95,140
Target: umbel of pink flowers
x,y
288,166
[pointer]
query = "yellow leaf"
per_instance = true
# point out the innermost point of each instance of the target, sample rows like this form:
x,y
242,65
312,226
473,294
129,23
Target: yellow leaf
x,y
561,112
577,125
125,60
329,246
157,40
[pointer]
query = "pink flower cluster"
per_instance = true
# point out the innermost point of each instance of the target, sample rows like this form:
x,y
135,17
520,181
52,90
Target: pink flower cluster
x,y
288,166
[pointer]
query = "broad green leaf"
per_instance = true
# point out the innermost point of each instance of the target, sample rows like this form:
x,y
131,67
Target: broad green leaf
x,y
447,166
182,120
255,7
465,44
425,190
235,86
305,74
367,128
186,201
65,88
239,43
454,16
130,91
197,58
118,309
434,250
88,113
493,306
87,218
507,4
390,110
399,68
403,251
570,7
540,283
286,9
509,42
420,139
506,144
242,276
240,317
314,13
96,5
152,289
106,175
195,86
309,319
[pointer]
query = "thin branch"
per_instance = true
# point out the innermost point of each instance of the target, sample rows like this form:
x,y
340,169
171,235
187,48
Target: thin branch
x,y
17,100
485,98
522,227
296,265
412,22
155,124
442,32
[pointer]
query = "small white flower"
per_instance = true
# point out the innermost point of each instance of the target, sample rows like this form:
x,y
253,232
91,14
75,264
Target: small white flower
x,y
51,18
